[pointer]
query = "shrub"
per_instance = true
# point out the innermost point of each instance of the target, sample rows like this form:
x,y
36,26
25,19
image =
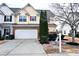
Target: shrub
x,y
73,43
77,35
7,37
1,38
11,36
69,34
44,40
62,37
52,37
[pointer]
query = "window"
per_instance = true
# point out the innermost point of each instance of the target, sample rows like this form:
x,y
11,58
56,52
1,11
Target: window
x,y
7,18
22,18
32,18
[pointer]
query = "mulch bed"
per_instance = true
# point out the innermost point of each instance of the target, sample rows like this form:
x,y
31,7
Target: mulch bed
x,y
70,49
50,48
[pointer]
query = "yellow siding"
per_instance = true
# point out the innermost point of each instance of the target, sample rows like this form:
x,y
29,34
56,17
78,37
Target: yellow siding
x,y
52,29
30,11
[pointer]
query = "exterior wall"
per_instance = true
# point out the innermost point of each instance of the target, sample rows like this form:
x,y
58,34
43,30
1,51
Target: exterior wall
x,y
78,29
31,12
66,29
2,31
52,29
7,12
51,20
11,30
1,18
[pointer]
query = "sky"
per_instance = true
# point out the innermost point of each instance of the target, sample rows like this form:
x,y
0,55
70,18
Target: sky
x,y
37,4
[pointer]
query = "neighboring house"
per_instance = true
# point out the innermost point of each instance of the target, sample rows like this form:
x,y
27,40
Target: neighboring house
x,y
23,23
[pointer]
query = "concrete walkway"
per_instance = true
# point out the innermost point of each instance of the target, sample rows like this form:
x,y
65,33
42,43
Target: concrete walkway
x,y
21,47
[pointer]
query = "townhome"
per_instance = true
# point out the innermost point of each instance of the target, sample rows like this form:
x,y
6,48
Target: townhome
x,y
23,23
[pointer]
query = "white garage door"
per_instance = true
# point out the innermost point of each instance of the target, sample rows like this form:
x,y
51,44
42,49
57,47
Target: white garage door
x,y
26,34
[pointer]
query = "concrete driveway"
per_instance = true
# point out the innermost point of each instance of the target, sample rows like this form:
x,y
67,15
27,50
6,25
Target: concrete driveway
x,y
21,47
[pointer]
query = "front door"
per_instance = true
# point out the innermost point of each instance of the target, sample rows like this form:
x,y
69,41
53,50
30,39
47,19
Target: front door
x,y
6,32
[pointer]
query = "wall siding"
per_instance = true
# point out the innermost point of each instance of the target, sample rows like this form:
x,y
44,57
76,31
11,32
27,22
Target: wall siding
x,y
1,18
30,11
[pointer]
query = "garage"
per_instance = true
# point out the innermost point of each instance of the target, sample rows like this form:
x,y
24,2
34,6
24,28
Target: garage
x,y
26,34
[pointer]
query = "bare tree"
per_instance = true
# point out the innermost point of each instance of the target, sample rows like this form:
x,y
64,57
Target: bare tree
x,y
68,13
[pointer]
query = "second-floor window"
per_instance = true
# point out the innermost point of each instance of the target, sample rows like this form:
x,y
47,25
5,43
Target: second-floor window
x,y
7,18
22,18
32,18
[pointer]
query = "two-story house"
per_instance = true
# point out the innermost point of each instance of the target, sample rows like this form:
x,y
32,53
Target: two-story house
x,y
23,23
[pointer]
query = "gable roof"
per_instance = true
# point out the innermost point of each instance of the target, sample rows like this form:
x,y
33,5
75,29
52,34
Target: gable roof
x,y
3,4
30,6
1,13
15,9
49,13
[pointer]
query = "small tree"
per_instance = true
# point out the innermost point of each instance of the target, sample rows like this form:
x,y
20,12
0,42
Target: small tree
x,y
68,14
45,24
41,23
43,27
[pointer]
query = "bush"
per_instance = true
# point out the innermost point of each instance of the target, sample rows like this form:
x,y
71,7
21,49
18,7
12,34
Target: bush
x,y
44,40
11,36
69,34
62,37
77,35
73,43
52,37
2,38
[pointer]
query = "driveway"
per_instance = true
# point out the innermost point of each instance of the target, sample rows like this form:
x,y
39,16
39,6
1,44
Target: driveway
x,y
21,47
